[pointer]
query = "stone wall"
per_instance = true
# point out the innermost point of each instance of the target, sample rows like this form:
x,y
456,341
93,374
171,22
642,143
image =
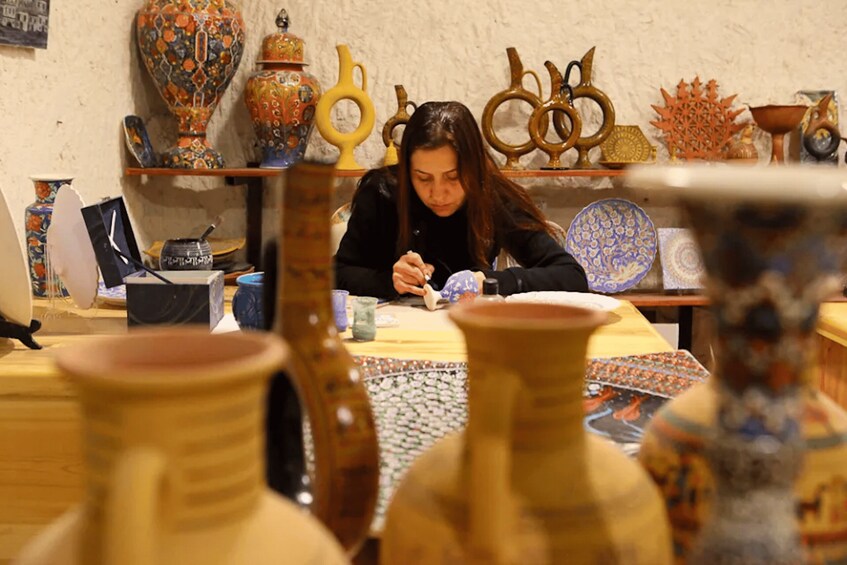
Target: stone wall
x,y
61,108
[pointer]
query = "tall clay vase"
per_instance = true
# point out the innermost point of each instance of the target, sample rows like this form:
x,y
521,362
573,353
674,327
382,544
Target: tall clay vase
x,y
281,97
173,468
728,454
346,457
525,483
561,100
192,50
37,218
346,89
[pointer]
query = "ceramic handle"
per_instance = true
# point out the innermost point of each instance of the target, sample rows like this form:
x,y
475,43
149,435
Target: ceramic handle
x,y
364,75
132,507
491,508
537,80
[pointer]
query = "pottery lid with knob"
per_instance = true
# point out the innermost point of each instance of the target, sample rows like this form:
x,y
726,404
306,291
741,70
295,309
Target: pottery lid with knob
x,y
282,47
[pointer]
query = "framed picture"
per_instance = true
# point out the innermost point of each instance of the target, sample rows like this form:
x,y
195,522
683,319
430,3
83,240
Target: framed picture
x,y
24,22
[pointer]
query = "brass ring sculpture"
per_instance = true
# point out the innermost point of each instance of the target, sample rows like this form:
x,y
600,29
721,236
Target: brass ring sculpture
x,y
586,90
557,103
516,91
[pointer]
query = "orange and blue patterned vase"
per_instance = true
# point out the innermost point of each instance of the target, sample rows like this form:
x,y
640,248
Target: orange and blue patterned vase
x,y
753,462
37,219
281,98
192,49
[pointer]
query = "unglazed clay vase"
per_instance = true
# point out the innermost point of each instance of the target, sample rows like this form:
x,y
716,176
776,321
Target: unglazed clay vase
x,y
561,100
516,91
585,89
400,118
37,218
525,483
728,454
346,89
345,481
778,120
173,472
192,49
281,97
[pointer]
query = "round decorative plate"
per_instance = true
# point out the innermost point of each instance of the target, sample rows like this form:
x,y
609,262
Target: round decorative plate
x,y
583,299
70,248
626,144
15,288
615,242
682,264
116,296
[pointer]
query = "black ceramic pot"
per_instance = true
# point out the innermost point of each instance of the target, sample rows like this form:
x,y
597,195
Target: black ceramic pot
x,y
186,255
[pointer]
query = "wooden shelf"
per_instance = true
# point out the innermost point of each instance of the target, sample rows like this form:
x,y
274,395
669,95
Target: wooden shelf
x,y
245,172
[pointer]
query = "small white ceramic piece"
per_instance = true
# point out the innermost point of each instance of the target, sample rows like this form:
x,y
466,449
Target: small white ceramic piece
x,y
71,252
15,288
431,297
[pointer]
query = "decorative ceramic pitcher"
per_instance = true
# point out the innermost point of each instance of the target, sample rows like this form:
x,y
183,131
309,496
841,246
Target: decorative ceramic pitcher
x,y
192,50
727,454
525,483
561,101
172,427
516,91
282,97
345,479
37,218
346,89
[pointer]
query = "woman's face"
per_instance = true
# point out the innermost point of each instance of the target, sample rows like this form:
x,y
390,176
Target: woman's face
x,y
435,177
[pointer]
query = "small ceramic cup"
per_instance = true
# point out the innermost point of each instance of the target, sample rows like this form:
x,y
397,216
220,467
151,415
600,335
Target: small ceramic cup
x,y
364,318
247,303
186,255
339,308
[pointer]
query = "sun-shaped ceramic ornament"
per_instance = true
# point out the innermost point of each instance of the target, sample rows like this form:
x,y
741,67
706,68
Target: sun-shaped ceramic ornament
x,y
697,124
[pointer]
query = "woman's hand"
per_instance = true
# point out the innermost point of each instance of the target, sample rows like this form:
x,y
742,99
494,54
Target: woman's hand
x,y
410,274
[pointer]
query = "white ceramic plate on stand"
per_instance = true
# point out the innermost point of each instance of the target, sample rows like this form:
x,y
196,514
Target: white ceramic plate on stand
x,y
583,299
15,286
71,252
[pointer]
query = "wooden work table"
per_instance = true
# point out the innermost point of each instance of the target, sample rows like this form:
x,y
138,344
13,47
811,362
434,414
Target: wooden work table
x,y
40,445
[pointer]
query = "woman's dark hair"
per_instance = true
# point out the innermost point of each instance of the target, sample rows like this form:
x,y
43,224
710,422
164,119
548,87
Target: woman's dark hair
x,y
487,191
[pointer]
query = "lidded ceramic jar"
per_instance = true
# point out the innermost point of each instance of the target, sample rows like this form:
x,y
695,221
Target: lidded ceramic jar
x,y
281,97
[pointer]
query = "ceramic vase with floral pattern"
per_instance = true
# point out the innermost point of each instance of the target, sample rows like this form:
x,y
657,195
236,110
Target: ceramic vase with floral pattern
x,y
37,219
192,49
281,97
752,462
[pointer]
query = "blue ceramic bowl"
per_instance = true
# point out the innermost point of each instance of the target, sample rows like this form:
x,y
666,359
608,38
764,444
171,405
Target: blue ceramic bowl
x,y
247,304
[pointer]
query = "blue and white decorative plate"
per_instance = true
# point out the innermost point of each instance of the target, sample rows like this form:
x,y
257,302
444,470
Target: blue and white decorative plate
x,y
115,296
615,242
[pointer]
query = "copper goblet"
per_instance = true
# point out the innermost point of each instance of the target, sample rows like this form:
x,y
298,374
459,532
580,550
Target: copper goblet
x,y
778,120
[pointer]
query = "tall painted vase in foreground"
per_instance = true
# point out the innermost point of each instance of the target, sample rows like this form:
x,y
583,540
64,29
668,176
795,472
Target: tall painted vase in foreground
x,y
281,97
525,483
192,49
753,463
331,392
173,469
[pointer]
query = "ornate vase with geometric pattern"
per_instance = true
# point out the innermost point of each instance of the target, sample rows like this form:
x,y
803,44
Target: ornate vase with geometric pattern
x,y
752,462
37,218
192,49
281,98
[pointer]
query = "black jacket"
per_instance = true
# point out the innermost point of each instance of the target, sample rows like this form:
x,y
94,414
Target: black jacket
x,y
366,256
